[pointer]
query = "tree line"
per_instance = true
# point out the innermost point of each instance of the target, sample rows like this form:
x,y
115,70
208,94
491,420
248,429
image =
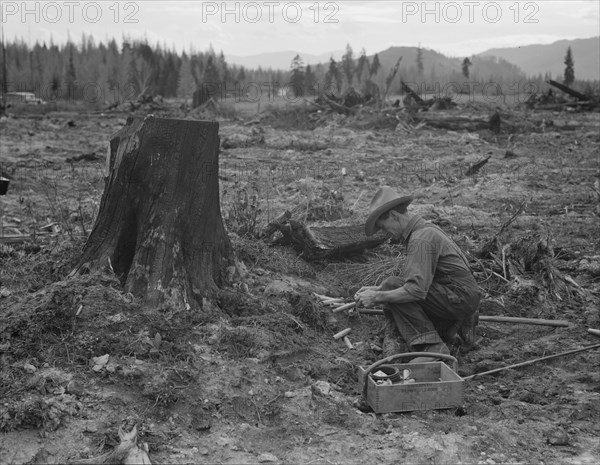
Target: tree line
x,y
109,72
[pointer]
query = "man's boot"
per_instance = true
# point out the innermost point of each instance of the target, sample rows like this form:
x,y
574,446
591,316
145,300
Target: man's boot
x,y
468,330
439,348
392,341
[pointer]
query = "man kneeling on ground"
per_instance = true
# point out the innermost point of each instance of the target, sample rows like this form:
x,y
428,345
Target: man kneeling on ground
x,y
438,297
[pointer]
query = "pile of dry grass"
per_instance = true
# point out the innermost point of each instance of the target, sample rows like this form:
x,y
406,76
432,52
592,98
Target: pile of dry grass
x,y
351,276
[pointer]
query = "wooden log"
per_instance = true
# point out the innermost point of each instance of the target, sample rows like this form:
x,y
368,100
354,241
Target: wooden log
x,y
273,225
452,122
568,90
412,93
477,166
342,333
595,332
328,241
337,107
370,311
344,307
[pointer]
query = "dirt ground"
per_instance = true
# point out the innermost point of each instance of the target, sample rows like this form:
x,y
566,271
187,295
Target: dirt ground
x,y
256,377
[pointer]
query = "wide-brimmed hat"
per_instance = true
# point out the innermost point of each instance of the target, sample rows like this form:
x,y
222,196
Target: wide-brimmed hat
x,y
385,199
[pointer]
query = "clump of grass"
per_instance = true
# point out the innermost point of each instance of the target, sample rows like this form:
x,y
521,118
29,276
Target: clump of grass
x,y
244,341
38,412
242,211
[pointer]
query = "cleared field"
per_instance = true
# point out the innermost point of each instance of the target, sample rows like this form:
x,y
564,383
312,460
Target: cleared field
x,y
257,377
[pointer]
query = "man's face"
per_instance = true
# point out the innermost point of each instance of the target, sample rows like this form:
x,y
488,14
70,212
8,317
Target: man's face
x,y
391,222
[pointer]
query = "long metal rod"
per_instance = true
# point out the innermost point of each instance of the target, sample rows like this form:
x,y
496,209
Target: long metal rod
x,y
493,319
530,362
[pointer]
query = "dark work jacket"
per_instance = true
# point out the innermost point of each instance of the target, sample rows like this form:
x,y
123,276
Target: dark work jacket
x,y
431,256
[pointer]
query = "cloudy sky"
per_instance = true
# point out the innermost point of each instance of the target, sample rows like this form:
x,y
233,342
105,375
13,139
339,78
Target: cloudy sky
x,y
456,28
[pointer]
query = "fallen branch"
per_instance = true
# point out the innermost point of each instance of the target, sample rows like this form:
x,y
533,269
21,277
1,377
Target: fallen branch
x,y
595,332
507,223
477,166
337,107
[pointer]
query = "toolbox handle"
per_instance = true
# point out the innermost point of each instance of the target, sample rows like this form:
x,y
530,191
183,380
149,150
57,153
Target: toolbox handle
x,y
391,358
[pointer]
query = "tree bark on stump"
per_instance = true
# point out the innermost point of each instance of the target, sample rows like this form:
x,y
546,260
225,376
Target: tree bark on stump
x,y
159,226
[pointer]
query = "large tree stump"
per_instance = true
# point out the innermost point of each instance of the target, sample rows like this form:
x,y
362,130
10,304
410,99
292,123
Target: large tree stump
x,y
159,227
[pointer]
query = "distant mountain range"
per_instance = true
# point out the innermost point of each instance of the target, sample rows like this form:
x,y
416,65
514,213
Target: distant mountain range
x,y
531,60
539,59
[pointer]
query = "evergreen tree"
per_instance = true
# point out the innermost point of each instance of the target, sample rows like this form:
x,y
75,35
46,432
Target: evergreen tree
x,y
419,60
348,65
210,79
186,85
569,77
224,71
71,75
333,77
241,76
362,66
465,67
297,76
375,66
309,81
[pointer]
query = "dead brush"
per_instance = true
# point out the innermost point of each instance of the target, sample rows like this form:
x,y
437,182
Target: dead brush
x,y
70,211
243,341
37,412
243,211
294,117
353,276
309,313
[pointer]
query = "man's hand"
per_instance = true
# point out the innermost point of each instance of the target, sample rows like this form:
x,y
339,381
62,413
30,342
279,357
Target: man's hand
x,y
366,296
366,288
